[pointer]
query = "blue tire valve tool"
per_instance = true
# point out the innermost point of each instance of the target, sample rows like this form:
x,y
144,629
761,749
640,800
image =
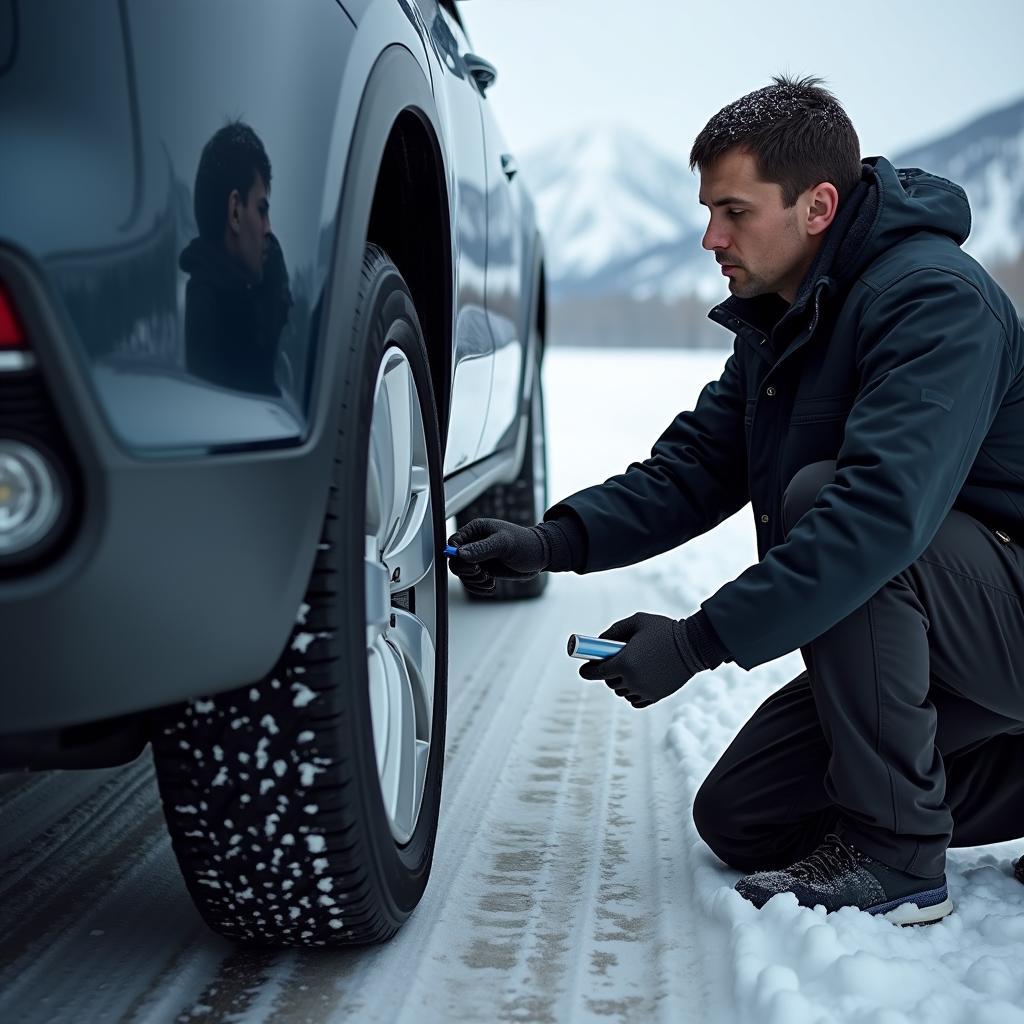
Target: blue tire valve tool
x,y
592,647
450,551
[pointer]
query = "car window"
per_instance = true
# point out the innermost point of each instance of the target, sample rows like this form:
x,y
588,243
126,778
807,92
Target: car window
x,y
452,9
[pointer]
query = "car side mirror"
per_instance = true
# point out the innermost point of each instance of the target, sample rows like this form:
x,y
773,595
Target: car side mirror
x,y
483,71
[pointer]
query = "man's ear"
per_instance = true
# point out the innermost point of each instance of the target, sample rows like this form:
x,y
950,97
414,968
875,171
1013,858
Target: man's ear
x,y
234,224
823,203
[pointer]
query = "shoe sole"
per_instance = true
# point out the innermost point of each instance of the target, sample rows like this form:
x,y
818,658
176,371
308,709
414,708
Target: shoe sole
x,y
921,908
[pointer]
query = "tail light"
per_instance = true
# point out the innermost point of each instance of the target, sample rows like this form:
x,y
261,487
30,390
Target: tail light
x,y
14,354
11,333
37,472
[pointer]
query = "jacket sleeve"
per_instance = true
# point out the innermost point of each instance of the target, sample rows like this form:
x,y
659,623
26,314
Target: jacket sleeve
x,y
934,364
696,477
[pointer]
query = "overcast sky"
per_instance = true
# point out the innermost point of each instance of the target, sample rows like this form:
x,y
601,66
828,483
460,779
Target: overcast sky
x,y
904,71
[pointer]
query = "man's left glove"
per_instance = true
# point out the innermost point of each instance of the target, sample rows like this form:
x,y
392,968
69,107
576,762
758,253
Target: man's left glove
x,y
657,660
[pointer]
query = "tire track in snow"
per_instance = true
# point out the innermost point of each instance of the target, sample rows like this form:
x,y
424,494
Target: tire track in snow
x,y
75,855
567,905
93,907
695,969
111,937
50,809
499,691
483,677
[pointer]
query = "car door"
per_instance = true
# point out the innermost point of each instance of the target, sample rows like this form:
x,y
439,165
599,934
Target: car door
x,y
459,104
504,273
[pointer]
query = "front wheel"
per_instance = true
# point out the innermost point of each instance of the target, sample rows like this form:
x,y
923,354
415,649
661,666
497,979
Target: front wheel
x,y
303,809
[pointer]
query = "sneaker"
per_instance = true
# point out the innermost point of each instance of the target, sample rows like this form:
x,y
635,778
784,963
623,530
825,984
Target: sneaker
x,y
837,874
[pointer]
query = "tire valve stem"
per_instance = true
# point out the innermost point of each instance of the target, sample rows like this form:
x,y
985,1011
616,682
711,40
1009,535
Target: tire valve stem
x,y
396,575
393,620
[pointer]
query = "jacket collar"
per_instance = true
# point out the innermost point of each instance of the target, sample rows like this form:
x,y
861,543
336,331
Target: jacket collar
x,y
212,265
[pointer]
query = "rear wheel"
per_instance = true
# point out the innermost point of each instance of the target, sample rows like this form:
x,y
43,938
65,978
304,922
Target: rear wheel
x,y
524,500
303,809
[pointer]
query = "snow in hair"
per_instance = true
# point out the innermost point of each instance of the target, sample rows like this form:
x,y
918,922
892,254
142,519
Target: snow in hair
x,y
786,99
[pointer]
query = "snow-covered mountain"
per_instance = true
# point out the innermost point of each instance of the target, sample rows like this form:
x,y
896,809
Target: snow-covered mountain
x,y
986,156
620,216
605,195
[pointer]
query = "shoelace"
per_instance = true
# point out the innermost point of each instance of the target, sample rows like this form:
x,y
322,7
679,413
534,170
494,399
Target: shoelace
x,y
828,861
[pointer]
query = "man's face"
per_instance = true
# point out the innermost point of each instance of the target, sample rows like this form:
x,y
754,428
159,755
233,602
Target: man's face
x,y
248,227
762,246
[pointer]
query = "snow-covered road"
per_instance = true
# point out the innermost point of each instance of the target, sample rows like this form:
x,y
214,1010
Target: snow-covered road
x,y
558,890
568,881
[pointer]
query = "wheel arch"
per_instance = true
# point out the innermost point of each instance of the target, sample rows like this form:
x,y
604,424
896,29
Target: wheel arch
x,y
411,187
394,159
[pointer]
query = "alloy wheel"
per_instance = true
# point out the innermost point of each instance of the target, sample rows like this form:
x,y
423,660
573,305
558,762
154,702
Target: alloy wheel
x,y
401,613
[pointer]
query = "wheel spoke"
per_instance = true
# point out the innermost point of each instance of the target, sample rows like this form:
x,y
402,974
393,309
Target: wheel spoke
x,y
417,648
403,725
377,658
422,760
395,405
412,553
375,514
378,594
380,489
392,715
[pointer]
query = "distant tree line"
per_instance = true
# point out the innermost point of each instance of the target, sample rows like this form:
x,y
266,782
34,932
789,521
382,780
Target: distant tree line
x,y
616,321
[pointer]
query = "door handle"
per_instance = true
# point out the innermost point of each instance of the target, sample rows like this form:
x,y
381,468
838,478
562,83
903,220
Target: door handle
x,y
483,71
509,165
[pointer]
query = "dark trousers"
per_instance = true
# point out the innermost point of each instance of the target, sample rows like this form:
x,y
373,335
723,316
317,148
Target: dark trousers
x,y
905,733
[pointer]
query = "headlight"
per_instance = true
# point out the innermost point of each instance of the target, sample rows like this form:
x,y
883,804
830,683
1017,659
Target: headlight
x,y
30,496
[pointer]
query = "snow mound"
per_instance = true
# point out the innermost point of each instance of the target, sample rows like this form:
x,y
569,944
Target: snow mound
x,y
792,965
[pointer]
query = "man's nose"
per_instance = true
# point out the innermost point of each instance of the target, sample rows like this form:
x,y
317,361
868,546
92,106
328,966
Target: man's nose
x,y
714,239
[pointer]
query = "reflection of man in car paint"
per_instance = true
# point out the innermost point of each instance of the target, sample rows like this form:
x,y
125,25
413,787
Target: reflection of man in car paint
x,y
237,298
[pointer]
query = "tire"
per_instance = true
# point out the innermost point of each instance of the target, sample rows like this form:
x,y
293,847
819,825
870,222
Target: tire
x,y
274,793
523,501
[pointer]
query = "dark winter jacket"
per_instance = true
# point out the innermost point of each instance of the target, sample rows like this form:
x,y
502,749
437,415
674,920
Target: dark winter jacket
x,y
232,323
901,359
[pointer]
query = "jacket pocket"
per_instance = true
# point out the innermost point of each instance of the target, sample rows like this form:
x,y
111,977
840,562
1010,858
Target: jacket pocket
x,y
938,397
821,410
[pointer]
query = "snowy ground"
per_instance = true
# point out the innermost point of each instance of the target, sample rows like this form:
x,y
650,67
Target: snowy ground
x,y
785,964
568,881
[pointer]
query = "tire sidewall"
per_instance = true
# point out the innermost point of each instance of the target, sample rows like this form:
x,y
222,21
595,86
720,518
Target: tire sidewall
x,y
388,320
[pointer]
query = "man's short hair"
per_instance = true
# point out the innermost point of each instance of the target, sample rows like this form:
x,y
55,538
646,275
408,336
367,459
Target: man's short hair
x,y
797,132
230,160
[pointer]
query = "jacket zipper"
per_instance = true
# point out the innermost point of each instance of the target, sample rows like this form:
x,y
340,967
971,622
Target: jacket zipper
x,y
817,310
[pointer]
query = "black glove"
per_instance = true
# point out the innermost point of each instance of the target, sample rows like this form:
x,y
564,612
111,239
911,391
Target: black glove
x,y
493,549
657,660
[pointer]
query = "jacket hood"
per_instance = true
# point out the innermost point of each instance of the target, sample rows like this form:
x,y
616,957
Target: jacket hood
x,y
914,200
210,264
898,203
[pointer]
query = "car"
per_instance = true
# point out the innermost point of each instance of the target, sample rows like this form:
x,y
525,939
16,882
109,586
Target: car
x,y
272,312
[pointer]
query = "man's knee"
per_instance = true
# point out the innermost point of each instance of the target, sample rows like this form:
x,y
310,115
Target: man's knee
x,y
802,491
713,819
706,811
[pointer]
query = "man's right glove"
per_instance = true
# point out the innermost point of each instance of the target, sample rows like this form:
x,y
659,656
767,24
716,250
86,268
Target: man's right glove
x,y
493,549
